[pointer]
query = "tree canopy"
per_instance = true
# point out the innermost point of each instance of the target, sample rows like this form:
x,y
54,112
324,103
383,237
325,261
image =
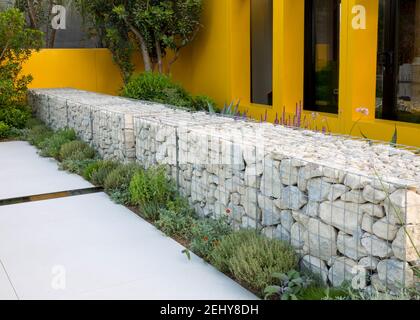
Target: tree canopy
x,y
153,26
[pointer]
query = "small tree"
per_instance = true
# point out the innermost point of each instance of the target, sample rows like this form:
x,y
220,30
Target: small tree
x,y
154,26
16,45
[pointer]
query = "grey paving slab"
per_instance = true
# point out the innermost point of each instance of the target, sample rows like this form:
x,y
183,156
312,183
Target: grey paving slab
x,y
6,288
23,173
87,247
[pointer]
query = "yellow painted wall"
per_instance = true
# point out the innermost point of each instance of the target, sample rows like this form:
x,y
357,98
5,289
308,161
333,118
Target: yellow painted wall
x,y
218,64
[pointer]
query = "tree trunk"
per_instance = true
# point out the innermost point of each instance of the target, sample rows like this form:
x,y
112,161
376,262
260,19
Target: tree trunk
x,y
172,61
143,48
159,57
31,13
52,39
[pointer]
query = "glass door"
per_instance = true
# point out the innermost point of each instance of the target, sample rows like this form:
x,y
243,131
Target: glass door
x,y
398,71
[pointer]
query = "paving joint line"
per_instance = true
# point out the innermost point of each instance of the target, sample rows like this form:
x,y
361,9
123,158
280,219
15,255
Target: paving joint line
x,y
50,196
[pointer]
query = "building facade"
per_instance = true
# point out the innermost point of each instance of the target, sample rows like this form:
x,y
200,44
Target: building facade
x,y
352,65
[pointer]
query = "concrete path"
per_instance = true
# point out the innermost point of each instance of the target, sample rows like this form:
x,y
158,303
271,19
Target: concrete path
x,y
24,173
87,247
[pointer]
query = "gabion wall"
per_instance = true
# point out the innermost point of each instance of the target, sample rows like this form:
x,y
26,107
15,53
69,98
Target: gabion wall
x,y
350,208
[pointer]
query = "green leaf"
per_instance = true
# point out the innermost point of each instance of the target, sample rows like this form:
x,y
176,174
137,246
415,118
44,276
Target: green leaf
x,y
187,253
394,139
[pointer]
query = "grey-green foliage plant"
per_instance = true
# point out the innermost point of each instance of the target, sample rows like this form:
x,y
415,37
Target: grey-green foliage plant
x,y
207,234
152,26
177,219
51,146
76,151
98,171
151,190
117,183
290,285
253,259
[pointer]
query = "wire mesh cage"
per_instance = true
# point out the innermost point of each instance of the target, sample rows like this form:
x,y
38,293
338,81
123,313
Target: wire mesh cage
x,y
349,207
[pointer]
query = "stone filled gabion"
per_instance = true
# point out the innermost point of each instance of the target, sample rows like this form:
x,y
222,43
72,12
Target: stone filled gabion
x,y
347,206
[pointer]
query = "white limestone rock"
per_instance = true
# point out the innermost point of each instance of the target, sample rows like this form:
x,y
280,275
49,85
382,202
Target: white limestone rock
x,y
355,196
291,198
300,237
369,263
395,274
315,266
373,195
341,271
407,243
373,210
355,181
368,222
376,247
322,240
350,246
403,207
288,173
345,216
385,230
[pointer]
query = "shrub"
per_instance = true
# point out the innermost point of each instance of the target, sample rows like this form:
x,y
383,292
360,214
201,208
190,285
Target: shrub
x,y
207,233
51,146
76,151
4,130
151,190
98,171
253,259
38,134
76,166
177,219
15,117
203,103
118,182
158,88
175,224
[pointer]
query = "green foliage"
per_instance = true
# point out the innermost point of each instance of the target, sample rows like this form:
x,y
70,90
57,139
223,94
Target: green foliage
x,y
153,26
4,130
253,258
151,190
76,151
16,42
207,234
16,45
177,219
76,166
158,88
38,134
317,293
97,172
290,285
118,182
15,117
51,146
175,224
203,103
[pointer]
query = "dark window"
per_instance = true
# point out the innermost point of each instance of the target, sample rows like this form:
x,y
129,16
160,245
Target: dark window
x,y
398,72
262,51
322,32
